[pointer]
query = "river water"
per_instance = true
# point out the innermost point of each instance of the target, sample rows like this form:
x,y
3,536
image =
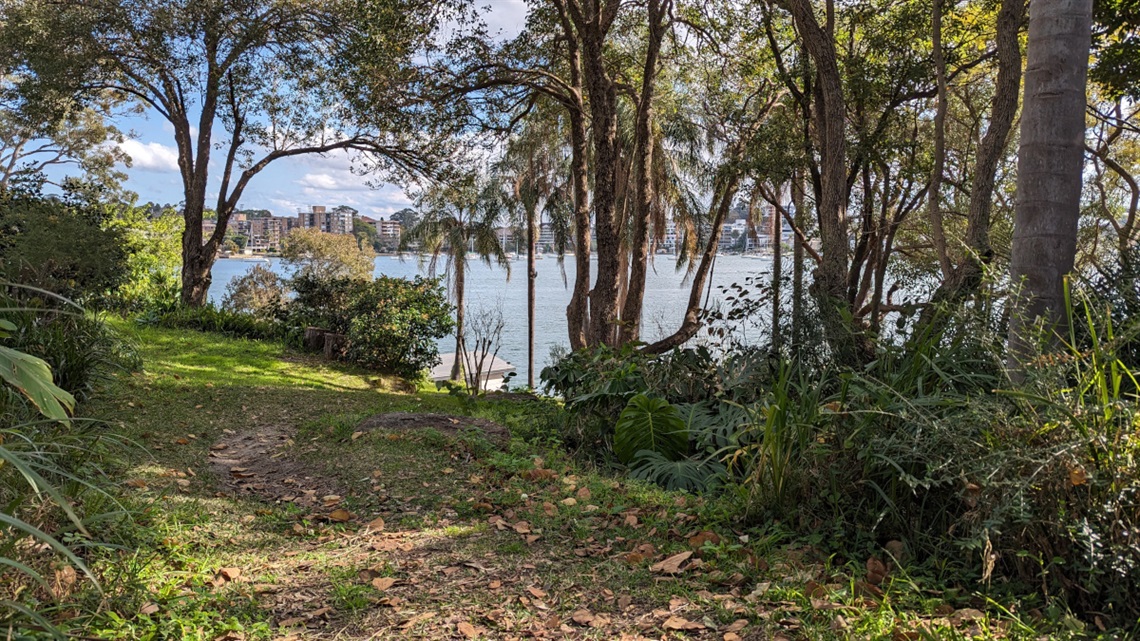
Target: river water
x,y
666,296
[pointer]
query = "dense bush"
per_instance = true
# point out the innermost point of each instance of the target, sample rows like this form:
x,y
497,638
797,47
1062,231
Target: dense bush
x,y
212,319
394,323
1038,486
81,349
259,293
59,245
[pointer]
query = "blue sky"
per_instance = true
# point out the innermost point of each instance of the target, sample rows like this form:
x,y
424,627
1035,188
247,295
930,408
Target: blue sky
x,y
289,183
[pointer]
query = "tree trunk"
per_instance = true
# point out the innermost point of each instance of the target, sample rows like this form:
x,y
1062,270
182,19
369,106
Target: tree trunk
x,y
578,311
643,177
798,262
691,323
1049,172
967,274
829,286
531,276
460,348
934,202
777,272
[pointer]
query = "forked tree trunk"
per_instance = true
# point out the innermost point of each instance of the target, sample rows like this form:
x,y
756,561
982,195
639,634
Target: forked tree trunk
x,y
1049,172
966,277
830,283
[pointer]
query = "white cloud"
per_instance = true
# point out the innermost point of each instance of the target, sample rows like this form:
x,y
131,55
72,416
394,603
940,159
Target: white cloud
x,y
505,18
150,156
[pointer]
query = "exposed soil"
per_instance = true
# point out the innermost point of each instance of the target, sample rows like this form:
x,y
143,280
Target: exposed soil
x,y
257,463
443,423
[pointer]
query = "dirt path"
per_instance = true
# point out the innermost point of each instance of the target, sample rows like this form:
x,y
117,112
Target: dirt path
x,y
403,564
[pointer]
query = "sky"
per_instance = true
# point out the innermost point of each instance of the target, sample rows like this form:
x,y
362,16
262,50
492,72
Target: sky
x,y
289,184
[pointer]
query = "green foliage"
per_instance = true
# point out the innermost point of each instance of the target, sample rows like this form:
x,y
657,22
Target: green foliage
x,y
59,245
313,254
649,424
153,246
259,293
209,318
81,350
394,323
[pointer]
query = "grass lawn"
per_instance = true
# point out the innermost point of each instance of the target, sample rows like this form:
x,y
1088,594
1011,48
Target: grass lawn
x,y
260,511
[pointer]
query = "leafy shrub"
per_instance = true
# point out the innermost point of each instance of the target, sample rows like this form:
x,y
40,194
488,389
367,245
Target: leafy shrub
x,y
649,424
311,253
394,323
59,245
259,293
209,318
153,246
81,349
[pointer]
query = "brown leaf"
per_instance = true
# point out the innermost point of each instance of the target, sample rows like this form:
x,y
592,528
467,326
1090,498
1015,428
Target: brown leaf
x,y
582,617
330,500
671,565
966,615
182,441
584,493
139,483
570,501
340,515
699,540
876,571
148,608
522,527
230,574
737,625
467,630
731,636
495,585
537,593
376,525
679,623
383,583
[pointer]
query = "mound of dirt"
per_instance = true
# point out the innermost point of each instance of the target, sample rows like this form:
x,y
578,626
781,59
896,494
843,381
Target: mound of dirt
x,y
443,423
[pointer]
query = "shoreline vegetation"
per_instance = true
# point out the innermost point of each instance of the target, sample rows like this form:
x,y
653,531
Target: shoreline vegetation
x,y
367,526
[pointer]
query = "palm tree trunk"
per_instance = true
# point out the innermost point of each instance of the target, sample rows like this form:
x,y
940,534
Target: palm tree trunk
x,y
1049,171
531,276
460,348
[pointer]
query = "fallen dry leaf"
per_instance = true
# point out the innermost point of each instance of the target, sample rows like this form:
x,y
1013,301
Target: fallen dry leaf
x,y
467,630
376,524
230,574
383,583
340,515
582,617
537,593
671,565
679,623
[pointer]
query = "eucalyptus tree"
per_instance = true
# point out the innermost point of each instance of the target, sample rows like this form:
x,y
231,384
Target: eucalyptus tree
x,y
1050,169
458,215
80,138
254,80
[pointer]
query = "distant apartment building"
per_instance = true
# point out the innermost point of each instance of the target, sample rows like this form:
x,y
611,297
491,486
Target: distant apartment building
x,y
268,232
330,222
388,229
